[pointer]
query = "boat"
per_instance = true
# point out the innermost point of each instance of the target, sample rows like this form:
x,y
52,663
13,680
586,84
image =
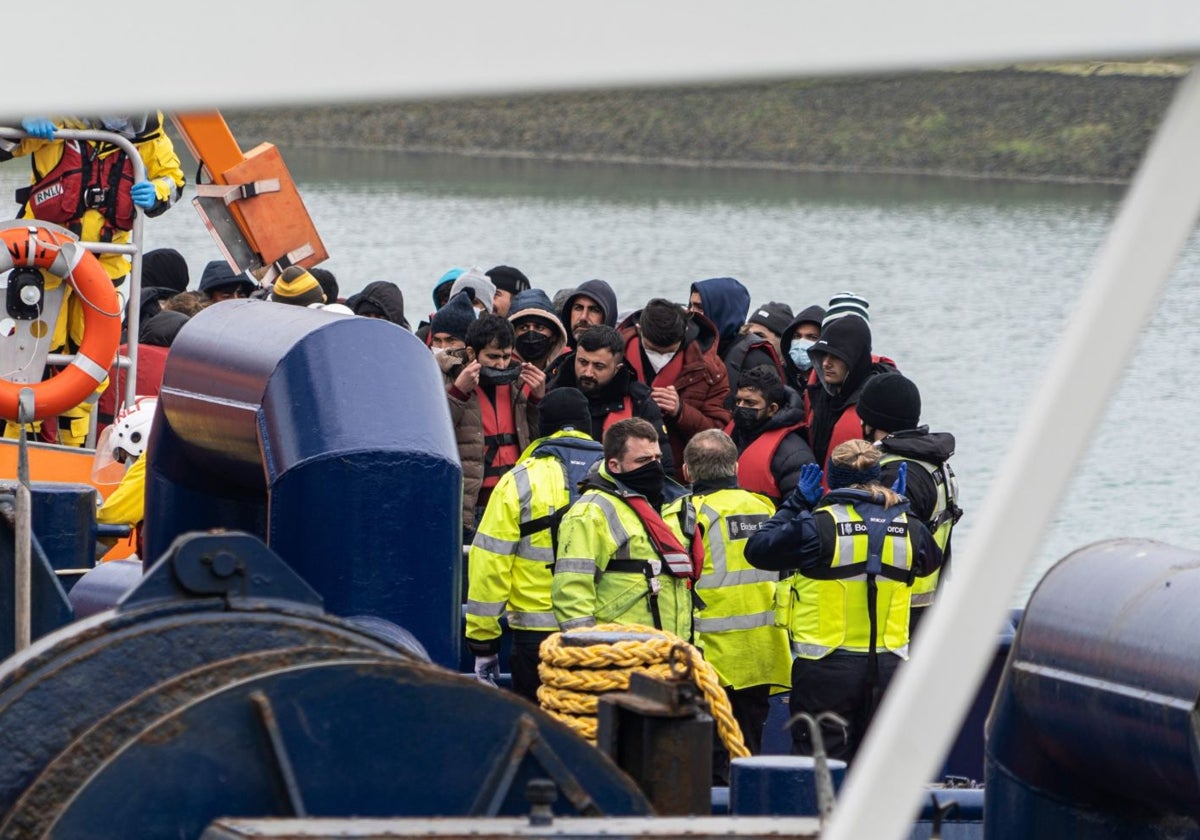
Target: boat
x,y
1159,212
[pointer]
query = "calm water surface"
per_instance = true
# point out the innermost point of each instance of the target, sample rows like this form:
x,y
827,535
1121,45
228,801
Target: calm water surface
x,y
970,284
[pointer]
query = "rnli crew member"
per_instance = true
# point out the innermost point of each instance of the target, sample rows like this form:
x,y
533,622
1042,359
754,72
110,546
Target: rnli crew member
x,y
847,607
511,563
87,187
617,560
493,403
677,357
725,302
541,337
734,613
768,430
123,443
890,410
598,368
843,362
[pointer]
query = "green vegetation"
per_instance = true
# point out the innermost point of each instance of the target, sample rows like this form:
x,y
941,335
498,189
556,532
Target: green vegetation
x,y
1077,122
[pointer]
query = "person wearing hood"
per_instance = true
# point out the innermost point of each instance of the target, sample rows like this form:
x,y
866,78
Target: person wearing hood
x,y
801,334
725,302
768,430
441,294
856,551
677,357
597,366
890,410
617,560
165,268
758,344
511,563
591,304
541,337
379,299
509,282
493,404
842,363
219,282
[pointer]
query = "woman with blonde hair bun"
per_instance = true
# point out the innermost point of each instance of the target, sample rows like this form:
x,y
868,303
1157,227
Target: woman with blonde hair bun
x,y
857,552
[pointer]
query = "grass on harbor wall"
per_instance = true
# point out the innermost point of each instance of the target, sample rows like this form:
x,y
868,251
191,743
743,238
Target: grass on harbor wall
x,y
1074,123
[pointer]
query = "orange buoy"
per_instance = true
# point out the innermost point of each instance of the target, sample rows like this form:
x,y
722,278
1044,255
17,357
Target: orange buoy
x,y
34,246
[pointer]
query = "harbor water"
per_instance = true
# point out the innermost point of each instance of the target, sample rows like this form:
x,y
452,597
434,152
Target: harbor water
x,y
970,284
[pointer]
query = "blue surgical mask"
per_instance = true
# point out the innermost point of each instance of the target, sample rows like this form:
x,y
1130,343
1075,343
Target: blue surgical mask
x,y
798,353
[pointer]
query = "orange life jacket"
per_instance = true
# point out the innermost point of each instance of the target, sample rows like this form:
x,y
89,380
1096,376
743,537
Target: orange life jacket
x,y
624,414
500,446
754,464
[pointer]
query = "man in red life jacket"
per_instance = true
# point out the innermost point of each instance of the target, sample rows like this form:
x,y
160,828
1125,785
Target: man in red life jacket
x,y
677,357
598,368
768,429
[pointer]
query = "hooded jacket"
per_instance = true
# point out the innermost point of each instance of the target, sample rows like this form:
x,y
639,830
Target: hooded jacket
x,y
468,427
832,416
597,290
917,444
533,303
747,353
794,376
384,295
726,303
701,380
793,451
611,398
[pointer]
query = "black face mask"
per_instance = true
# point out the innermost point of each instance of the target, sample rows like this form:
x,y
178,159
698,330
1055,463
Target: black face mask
x,y
494,376
746,419
647,480
532,345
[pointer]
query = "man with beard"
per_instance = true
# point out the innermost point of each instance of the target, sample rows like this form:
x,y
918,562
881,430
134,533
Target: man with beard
x,y
768,429
590,305
843,363
598,368
617,560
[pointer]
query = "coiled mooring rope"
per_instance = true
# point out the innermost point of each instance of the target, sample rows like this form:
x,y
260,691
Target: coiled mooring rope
x,y
574,677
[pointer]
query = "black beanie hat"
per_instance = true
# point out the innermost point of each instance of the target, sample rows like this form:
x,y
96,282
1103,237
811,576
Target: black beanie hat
x,y
455,316
561,408
890,402
166,268
509,279
773,315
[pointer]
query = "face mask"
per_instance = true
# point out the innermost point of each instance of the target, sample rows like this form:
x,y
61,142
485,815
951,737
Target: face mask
x,y
504,376
532,345
647,480
798,353
747,419
658,361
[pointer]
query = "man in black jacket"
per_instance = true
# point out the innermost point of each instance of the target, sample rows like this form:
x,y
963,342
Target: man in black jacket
x,y
768,429
597,367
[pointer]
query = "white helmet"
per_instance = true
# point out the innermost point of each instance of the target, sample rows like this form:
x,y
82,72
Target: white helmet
x,y
131,428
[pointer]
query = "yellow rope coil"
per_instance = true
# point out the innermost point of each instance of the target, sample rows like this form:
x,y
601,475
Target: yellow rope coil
x,y
573,678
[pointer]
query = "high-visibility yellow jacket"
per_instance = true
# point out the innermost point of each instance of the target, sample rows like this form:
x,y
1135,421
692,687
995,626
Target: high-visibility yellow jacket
x,y
735,627
127,504
511,562
607,569
940,522
828,610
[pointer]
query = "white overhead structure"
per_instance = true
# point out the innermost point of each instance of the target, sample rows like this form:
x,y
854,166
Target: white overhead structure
x,y
238,53
310,52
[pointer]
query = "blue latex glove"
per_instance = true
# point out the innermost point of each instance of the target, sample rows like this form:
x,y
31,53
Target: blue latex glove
x,y
901,482
487,669
144,194
39,127
810,482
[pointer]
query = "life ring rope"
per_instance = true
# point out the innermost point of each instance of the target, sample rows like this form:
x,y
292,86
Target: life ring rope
x,y
34,246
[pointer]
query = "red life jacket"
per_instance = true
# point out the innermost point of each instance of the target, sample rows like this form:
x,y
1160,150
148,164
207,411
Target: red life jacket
x,y
500,445
85,178
754,464
678,560
665,377
624,414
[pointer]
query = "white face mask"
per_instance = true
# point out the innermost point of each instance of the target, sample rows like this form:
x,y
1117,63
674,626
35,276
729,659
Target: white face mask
x,y
658,361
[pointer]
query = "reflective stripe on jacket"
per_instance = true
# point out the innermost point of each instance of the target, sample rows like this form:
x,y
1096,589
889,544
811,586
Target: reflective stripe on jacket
x,y
600,530
940,523
828,609
512,556
735,627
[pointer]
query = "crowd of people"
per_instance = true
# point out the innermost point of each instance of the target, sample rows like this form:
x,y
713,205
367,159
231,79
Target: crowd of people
x,y
754,479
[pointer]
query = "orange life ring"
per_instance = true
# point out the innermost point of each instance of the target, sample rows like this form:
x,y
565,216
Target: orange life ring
x,y
35,246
